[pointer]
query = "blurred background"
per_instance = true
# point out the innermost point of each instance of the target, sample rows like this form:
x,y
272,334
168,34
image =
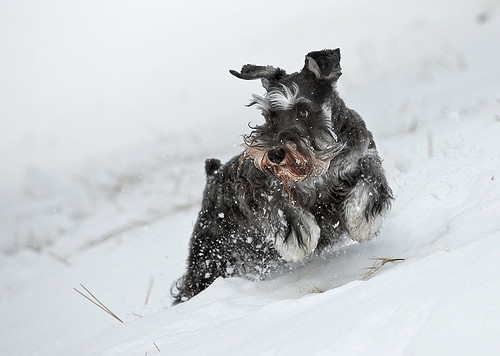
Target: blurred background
x,y
83,81
88,89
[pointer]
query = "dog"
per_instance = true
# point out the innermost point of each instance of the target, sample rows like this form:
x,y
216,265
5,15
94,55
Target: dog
x,y
307,177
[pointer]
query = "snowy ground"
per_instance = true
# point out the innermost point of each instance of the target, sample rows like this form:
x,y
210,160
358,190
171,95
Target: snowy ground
x,y
109,111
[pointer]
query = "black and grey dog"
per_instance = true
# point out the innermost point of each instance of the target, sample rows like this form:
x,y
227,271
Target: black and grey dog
x,y
308,176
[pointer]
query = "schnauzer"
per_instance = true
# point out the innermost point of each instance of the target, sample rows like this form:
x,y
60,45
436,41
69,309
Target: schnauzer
x,y
308,176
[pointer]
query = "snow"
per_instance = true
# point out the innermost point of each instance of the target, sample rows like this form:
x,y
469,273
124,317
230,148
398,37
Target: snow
x,y
109,110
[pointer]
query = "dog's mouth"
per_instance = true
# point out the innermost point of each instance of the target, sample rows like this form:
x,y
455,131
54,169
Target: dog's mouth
x,y
289,167
294,167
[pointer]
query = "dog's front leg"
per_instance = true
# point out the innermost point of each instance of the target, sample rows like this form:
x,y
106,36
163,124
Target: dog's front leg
x,y
368,201
298,236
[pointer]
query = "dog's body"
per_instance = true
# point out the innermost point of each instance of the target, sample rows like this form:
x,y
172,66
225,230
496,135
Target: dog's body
x,y
309,175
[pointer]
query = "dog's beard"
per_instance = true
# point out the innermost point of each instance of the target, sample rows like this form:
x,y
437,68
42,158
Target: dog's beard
x,y
295,167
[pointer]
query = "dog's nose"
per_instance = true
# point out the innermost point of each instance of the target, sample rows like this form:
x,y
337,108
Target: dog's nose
x,y
276,155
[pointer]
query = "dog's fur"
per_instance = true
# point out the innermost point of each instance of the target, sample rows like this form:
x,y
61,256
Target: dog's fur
x,y
309,175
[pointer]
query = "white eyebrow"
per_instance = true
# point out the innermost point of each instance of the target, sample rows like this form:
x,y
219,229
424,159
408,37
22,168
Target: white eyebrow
x,y
281,100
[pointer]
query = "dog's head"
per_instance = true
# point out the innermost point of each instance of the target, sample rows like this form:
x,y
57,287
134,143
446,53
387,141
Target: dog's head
x,y
297,140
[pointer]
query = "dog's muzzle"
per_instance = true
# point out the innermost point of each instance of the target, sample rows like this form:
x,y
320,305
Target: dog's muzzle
x,y
287,164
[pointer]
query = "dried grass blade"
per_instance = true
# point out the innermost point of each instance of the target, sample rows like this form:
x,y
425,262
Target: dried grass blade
x,y
156,346
95,298
97,302
150,286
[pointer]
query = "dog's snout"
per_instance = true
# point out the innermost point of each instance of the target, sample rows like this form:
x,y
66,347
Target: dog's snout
x,y
276,155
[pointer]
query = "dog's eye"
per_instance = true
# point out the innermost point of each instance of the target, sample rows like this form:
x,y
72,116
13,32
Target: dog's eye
x,y
302,113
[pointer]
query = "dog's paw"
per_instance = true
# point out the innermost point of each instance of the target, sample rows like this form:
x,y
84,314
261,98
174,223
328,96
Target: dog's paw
x,y
300,240
362,226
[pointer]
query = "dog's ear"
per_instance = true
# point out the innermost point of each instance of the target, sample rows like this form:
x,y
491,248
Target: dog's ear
x,y
325,64
266,73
